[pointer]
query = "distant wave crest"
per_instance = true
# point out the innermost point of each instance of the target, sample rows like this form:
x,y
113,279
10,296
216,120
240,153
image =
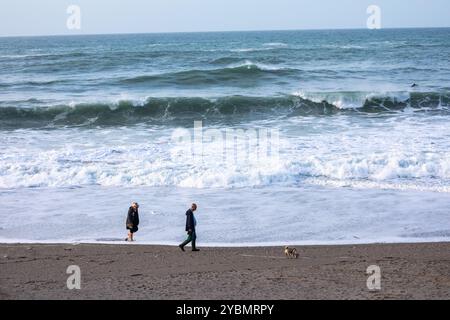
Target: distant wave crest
x,y
243,74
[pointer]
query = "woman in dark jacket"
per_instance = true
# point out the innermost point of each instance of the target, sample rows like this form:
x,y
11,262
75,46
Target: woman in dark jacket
x,y
132,221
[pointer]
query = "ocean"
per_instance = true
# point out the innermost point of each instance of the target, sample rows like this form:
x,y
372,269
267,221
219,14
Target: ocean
x,y
303,137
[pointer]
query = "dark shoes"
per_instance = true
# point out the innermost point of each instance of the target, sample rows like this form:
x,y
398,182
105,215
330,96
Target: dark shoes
x,y
182,248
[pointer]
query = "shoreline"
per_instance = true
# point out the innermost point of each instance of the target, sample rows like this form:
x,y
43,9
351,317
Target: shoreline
x,y
120,242
108,271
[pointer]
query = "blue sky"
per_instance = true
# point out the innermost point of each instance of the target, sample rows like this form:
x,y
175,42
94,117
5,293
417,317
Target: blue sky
x,y
41,17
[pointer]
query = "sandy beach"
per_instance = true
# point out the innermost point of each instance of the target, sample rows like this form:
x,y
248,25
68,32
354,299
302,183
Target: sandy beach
x,y
408,271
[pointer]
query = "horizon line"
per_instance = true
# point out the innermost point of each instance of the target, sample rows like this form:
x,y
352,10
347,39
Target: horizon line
x,y
210,31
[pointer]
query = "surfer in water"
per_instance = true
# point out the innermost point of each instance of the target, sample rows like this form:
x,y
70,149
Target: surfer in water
x,y
132,221
190,229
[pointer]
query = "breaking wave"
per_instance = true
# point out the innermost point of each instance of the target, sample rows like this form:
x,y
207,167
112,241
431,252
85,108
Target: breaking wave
x,y
176,110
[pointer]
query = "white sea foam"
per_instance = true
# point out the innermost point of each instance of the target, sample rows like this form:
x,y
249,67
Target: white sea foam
x,y
387,158
249,216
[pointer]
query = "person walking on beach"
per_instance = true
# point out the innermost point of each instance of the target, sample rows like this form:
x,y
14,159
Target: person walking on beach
x,y
132,220
190,228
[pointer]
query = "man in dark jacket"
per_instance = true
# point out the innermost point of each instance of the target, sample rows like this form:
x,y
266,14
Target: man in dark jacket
x,y
190,228
132,221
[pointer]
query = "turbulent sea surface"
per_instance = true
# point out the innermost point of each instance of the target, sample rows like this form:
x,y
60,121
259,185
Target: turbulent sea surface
x,y
87,125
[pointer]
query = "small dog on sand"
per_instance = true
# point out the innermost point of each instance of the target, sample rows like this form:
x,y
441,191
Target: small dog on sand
x,y
290,252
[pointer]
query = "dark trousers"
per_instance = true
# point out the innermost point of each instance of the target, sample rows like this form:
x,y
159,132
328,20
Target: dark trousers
x,y
191,238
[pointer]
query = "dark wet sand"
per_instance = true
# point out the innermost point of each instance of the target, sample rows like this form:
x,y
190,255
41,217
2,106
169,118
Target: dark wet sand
x,y
409,271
